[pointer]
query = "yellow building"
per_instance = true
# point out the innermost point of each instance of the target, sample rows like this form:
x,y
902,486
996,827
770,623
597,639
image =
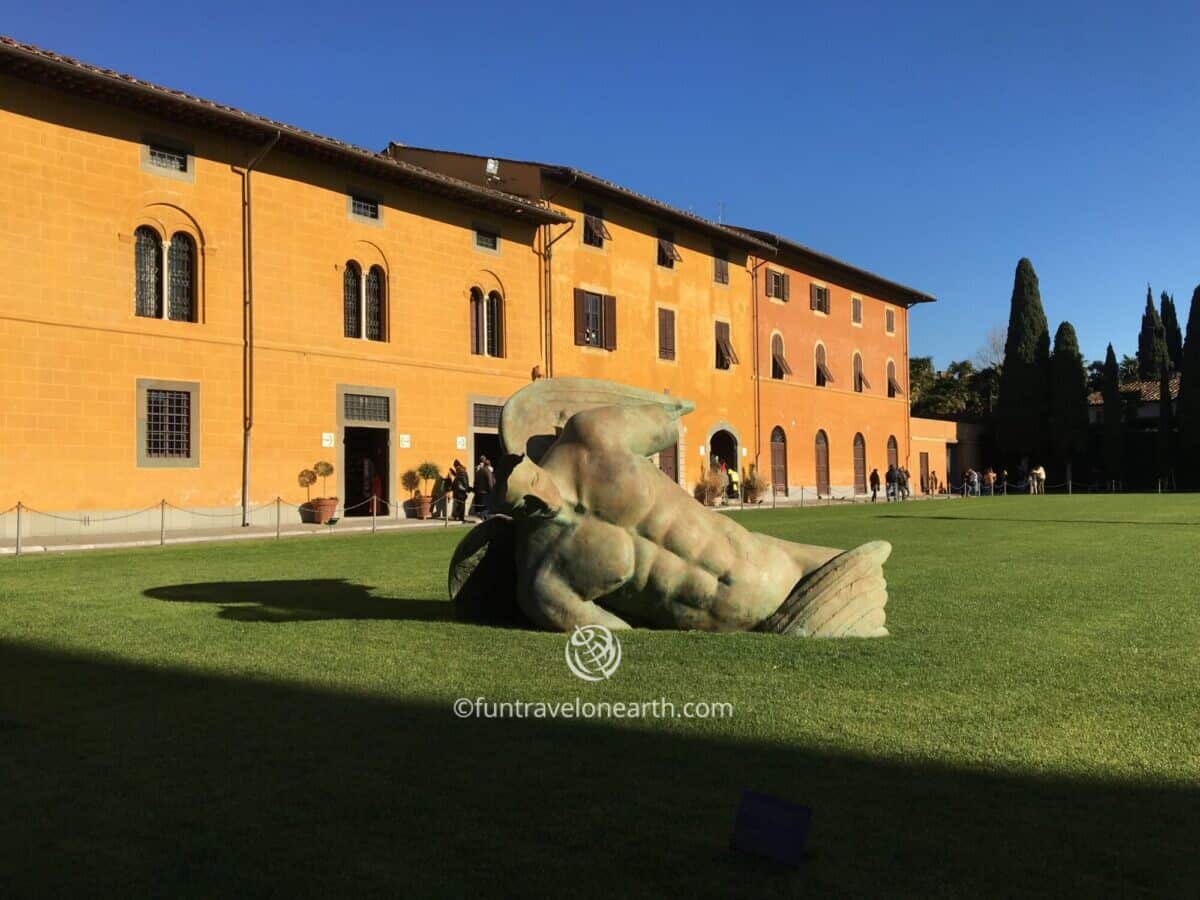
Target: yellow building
x,y
196,303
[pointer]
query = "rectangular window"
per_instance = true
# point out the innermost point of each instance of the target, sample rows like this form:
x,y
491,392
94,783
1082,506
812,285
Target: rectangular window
x,y
818,298
486,239
166,158
367,408
720,265
889,321
595,319
364,206
594,231
486,415
725,357
666,334
168,424
667,254
778,285
856,310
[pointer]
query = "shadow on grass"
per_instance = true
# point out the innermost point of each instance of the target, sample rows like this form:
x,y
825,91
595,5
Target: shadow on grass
x,y
143,781
1031,521
299,601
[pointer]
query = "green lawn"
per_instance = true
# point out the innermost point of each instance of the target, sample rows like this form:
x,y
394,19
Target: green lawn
x,y
276,718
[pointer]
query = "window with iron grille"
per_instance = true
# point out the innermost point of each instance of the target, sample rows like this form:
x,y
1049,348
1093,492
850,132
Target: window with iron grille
x,y
594,231
667,254
373,302
364,206
351,299
148,273
366,408
165,158
889,321
181,281
856,310
720,265
818,298
168,424
486,415
486,239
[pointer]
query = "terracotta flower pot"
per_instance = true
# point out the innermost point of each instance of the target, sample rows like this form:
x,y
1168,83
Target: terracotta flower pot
x,y
319,511
424,505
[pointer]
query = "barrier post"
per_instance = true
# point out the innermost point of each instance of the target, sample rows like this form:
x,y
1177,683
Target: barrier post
x,y
277,516
162,523
373,505
18,528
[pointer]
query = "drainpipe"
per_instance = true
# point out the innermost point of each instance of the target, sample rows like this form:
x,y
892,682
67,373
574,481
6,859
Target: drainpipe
x,y
248,327
755,368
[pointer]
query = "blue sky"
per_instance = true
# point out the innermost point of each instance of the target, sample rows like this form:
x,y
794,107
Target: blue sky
x,y
934,144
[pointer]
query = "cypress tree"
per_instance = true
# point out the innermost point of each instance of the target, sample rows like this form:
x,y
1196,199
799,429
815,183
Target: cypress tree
x,y
1152,342
1021,410
1189,388
1113,438
1068,397
1174,336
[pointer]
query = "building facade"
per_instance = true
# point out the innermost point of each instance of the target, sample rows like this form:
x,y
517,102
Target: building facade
x,y
197,303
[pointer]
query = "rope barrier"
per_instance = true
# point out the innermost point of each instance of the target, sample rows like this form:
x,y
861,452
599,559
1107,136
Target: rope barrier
x,y
89,520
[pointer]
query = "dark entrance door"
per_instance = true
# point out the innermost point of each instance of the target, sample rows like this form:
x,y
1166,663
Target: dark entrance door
x,y
860,465
366,468
822,452
488,445
722,448
779,460
668,461
924,473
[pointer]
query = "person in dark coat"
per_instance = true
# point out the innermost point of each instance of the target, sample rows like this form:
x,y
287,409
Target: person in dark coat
x,y
874,484
485,481
461,486
890,478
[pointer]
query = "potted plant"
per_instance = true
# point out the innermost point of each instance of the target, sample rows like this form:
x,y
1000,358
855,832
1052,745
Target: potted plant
x,y
753,486
411,482
709,488
322,509
427,472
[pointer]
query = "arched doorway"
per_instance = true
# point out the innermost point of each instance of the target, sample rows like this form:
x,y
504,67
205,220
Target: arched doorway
x,y
822,447
860,465
723,448
779,460
893,453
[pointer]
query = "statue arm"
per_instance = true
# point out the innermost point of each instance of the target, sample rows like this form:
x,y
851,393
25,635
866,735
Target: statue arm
x,y
644,429
550,601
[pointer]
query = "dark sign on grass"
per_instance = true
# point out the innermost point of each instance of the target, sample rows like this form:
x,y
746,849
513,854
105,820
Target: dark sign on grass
x,y
769,827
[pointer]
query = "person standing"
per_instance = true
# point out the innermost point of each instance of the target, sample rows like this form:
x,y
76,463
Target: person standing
x,y
889,484
485,481
461,487
874,484
1039,475
902,483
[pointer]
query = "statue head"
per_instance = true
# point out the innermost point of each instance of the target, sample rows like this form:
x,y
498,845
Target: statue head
x,y
525,489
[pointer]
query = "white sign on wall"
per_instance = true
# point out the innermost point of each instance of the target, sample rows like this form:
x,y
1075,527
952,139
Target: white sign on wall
x,y
405,441
326,438
460,443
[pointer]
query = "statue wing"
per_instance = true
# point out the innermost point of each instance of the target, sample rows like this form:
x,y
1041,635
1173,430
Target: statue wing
x,y
483,575
533,416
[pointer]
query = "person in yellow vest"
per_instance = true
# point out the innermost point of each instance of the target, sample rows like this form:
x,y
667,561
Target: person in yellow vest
x,y
735,482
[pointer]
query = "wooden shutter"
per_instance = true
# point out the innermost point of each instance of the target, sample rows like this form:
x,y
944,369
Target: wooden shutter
x,y
610,322
860,465
822,454
813,302
668,462
476,302
580,319
666,334
787,289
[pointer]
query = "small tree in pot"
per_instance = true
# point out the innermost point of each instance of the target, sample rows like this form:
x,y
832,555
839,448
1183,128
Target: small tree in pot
x,y
411,482
427,472
322,509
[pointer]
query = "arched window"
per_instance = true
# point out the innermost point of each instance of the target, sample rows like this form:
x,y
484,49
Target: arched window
x,y
824,376
779,460
487,323
352,300
893,386
494,323
859,381
181,278
822,448
779,364
860,464
148,273
893,452
374,304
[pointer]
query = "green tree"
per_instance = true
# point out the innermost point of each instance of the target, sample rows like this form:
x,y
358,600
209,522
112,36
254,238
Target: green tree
x,y
1189,391
1129,371
1152,342
920,379
1113,437
1171,332
1021,412
1068,397
1165,424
